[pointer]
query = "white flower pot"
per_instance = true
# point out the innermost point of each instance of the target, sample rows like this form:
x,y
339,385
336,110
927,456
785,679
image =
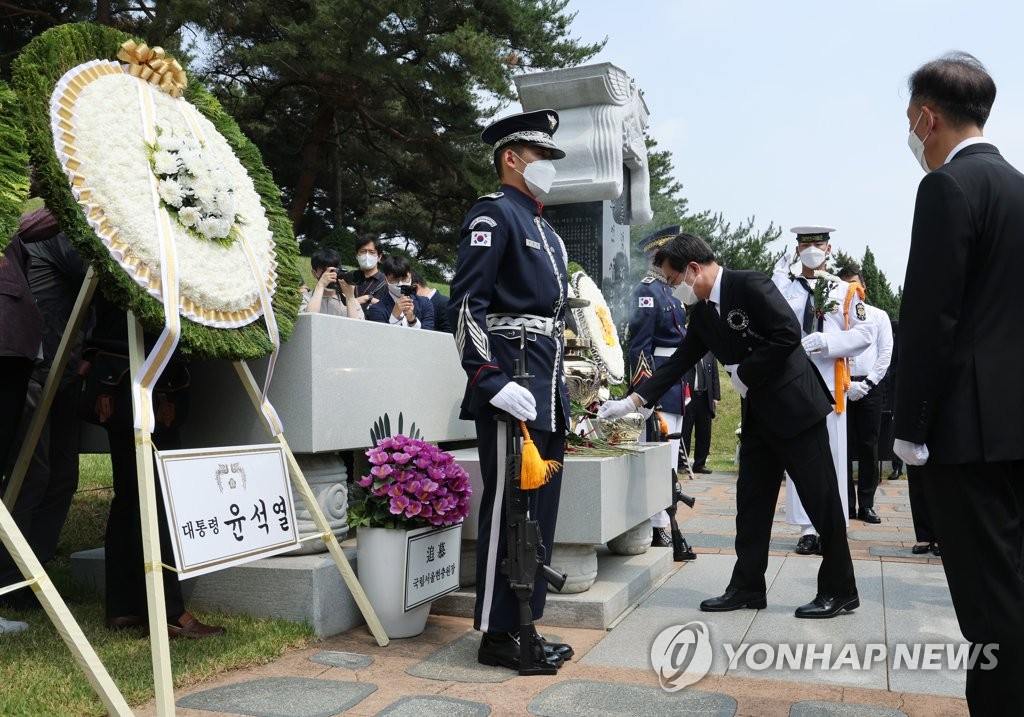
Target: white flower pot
x,y
381,568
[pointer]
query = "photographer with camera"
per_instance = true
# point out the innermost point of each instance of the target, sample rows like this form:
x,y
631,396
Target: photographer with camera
x,y
404,306
333,294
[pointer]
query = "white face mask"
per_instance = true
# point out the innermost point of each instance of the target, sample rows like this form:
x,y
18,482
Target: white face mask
x,y
539,175
916,144
366,261
685,293
812,257
396,289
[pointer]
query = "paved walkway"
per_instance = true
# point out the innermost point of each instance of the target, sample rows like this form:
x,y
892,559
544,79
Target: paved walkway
x,y
905,621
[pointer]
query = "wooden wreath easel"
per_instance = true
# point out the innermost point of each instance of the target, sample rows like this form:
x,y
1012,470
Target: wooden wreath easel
x,y
36,577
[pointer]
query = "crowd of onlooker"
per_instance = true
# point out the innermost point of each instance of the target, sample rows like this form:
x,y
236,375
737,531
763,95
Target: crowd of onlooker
x,y
385,290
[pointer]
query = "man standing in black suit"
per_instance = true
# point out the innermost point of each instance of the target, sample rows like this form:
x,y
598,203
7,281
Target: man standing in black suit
x,y
959,389
439,300
742,318
705,393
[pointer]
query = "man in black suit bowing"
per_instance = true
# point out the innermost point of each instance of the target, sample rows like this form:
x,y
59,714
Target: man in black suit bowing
x,y
741,317
960,390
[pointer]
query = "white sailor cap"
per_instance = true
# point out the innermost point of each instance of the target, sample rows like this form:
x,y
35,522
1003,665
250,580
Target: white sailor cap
x,y
812,234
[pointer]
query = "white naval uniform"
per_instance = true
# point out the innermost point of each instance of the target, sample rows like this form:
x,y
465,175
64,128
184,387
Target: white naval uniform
x,y
841,343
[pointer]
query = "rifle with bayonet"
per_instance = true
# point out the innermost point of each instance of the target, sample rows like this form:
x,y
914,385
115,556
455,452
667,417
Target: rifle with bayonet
x,y
526,552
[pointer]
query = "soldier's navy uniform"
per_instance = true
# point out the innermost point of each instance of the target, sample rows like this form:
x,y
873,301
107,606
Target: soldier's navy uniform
x,y
657,325
511,273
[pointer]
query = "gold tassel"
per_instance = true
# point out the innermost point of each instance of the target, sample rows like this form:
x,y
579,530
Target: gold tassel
x,y
535,471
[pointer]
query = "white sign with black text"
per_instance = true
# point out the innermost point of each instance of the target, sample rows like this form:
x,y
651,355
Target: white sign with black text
x,y
227,506
431,564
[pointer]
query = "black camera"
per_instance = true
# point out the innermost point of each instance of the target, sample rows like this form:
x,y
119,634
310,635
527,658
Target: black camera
x,y
352,278
407,289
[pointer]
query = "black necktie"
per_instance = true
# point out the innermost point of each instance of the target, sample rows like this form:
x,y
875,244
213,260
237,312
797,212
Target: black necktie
x,y
808,323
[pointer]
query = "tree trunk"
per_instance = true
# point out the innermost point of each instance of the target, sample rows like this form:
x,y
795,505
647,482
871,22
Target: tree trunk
x,y
311,163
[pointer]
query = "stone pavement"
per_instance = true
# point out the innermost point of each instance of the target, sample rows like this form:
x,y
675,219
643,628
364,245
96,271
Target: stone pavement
x,y
905,608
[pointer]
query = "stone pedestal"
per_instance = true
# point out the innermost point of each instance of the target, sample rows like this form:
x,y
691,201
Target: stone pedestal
x,y
602,498
578,562
634,541
327,478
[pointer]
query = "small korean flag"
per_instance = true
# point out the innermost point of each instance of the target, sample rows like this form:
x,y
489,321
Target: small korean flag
x,y
646,302
480,239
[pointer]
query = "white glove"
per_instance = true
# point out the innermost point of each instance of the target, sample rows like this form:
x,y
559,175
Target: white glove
x,y
858,390
815,342
619,407
913,454
737,382
516,401
785,261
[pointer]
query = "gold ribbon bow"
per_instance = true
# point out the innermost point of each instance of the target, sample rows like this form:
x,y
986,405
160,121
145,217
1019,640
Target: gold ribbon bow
x,y
150,64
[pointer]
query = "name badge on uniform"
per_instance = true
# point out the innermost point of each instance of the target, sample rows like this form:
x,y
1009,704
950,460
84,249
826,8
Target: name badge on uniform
x,y
862,313
480,239
533,244
646,302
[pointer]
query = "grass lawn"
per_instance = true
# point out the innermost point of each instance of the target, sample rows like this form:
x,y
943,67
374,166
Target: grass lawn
x,y
723,428
37,672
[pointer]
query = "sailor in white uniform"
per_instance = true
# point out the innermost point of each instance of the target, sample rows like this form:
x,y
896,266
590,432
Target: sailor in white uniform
x,y
833,321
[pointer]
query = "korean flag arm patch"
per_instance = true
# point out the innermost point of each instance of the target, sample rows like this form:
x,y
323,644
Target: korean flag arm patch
x,y
479,238
646,302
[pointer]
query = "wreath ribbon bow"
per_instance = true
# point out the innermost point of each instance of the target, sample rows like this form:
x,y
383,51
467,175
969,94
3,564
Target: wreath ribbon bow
x,y
152,65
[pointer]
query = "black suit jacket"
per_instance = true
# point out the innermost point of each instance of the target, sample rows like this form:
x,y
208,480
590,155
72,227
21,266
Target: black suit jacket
x,y
709,383
960,383
758,331
440,302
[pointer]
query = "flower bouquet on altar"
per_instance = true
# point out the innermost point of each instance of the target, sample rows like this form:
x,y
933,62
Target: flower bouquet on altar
x,y
411,484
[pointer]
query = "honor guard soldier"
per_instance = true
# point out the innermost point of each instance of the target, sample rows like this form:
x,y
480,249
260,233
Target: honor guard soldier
x,y
511,278
833,326
741,317
657,325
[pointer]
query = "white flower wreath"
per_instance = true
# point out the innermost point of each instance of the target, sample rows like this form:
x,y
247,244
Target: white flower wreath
x,y
202,184
595,321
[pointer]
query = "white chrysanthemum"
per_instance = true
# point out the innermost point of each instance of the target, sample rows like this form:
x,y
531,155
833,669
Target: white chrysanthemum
x,y
171,192
165,162
188,216
599,327
114,156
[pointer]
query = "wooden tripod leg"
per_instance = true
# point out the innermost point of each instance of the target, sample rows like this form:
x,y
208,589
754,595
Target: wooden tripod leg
x,y
60,616
163,682
302,487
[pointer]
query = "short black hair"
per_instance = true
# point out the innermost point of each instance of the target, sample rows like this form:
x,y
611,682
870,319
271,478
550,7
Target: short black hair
x,y
418,280
958,85
681,250
364,239
323,258
395,265
516,147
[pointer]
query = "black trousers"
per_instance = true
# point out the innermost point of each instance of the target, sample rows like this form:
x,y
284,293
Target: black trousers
x,y
50,482
919,512
863,424
978,514
807,457
16,372
697,418
125,573
497,608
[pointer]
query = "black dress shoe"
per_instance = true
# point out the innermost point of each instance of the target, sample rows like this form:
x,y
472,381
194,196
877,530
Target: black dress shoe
x,y
807,545
559,649
934,547
662,538
825,606
735,599
921,549
868,515
502,649
702,469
